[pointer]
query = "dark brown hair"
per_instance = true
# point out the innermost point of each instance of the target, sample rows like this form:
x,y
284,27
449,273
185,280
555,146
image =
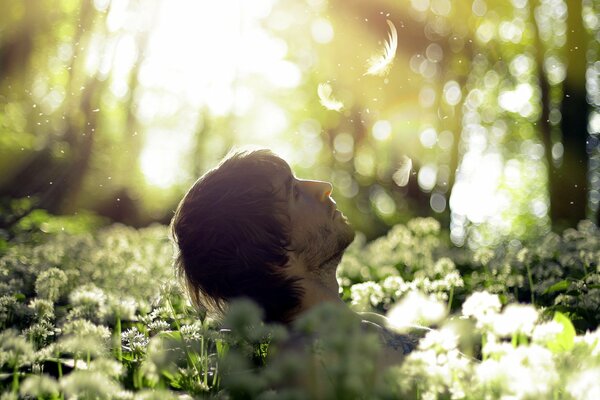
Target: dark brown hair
x,y
232,230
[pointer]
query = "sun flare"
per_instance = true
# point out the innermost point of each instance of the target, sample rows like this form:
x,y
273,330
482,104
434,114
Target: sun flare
x,y
200,56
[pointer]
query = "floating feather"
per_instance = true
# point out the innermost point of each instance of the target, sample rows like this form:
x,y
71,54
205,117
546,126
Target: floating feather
x,y
402,174
380,64
324,92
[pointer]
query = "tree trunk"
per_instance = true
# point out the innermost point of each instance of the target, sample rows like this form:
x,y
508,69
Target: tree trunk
x,y
568,180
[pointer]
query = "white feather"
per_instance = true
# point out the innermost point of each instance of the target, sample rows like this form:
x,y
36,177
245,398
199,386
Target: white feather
x,y
402,174
380,64
324,91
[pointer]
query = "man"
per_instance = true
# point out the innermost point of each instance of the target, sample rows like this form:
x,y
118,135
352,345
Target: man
x,y
250,228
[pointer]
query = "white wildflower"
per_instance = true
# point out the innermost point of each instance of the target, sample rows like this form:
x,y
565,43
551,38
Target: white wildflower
x,y
8,304
366,295
122,306
453,279
483,256
14,349
192,332
416,308
134,341
585,384
43,309
50,283
444,266
39,386
394,286
88,385
424,226
545,332
108,367
87,294
40,333
89,301
158,326
521,373
85,328
490,371
440,340
438,363
496,348
592,340
482,306
523,255
159,394
516,318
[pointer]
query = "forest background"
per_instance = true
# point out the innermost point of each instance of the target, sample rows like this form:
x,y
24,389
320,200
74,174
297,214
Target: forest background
x,y
115,108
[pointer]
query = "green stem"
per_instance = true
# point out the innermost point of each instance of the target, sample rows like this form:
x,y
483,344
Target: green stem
x,y
59,365
530,277
450,298
185,347
204,358
118,334
135,377
138,374
483,343
215,380
15,382
175,320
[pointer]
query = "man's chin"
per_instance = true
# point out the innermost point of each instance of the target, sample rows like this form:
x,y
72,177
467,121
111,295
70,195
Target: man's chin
x,y
344,238
347,234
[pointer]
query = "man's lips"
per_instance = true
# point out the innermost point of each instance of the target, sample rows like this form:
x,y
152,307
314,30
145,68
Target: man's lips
x,y
332,206
332,210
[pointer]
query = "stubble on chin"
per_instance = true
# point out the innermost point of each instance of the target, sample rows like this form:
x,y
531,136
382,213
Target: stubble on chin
x,y
323,250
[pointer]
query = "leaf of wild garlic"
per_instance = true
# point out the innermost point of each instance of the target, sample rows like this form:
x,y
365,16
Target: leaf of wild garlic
x,y
565,340
380,64
558,287
324,91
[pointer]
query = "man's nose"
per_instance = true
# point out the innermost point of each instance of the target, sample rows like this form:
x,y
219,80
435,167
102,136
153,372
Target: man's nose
x,y
319,189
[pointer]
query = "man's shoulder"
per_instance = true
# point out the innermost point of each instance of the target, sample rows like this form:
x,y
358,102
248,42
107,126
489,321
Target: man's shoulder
x,y
404,342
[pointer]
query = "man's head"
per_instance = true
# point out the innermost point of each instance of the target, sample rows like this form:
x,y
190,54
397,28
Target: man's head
x,y
249,228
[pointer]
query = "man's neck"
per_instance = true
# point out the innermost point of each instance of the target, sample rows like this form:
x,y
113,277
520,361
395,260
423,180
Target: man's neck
x,y
317,292
319,287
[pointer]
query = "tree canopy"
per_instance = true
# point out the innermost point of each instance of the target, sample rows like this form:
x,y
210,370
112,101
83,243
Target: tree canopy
x,y
483,114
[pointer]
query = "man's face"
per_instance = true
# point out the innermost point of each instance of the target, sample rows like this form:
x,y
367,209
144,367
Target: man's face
x,y
319,231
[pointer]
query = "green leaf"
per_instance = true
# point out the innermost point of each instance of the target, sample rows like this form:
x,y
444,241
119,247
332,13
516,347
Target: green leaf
x,y
558,287
565,340
172,335
593,286
222,348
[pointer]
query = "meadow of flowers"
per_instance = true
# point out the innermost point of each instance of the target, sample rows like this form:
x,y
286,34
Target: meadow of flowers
x,y
98,313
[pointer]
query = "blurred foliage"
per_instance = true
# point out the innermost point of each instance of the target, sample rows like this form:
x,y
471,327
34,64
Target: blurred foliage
x,y
116,107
